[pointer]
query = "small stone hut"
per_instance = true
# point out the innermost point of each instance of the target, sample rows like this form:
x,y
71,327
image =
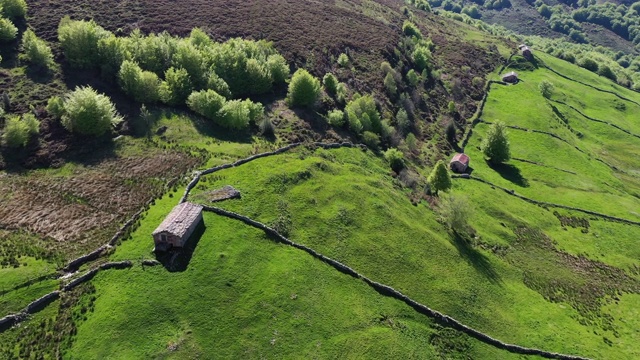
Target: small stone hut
x,y
459,163
510,77
177,227
526,51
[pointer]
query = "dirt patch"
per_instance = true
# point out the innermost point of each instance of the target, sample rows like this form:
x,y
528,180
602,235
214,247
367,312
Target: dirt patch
x,y
83,209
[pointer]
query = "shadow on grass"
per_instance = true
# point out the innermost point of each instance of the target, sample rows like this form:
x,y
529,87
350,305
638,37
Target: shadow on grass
x,y
478,260
510,172
177,260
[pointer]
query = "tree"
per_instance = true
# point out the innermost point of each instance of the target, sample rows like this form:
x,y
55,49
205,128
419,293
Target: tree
x,y
8,31
589,64
372,140
235,114
304,89
89,113
330,83
362,110
439,179
113,51
188,57
411,141
402,120
176,87
546,88
606,71
413,77
422,57
455,211
410,29
278,67
13,9
395,159
18,130
495,145
79,41
390,84
36,51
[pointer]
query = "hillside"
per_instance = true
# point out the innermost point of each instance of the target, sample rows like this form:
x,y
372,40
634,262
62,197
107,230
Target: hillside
x,y
333,248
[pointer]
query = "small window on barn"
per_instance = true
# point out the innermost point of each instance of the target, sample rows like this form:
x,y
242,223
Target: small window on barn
x,y
163,237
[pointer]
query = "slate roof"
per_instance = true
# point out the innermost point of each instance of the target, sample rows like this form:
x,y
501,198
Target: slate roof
x,y
180,219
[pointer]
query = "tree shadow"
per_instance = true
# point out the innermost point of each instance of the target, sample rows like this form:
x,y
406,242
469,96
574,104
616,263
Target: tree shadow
x,y
509,172
477,259
177,260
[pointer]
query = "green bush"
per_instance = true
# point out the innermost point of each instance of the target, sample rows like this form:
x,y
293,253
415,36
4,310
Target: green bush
x,y
495,145
154,52
402,120
142,86
390,84
451,107
411,141
422,58
176,87
113,51
372,140
330,83
79,41
439,179
234,114
606,71
362,110
589,64
278,67
336,118
217,84
546,88
410,29
18,130
260,76
8,31
341,93
199,38
267,127
188,57
13,9
89,113
304,89
343,60
455,211
55,107
36,51
206,103
413,78
395,159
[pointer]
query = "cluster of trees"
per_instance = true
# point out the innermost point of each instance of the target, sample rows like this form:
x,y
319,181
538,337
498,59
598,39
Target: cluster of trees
x,y
623,20
196,70
10,10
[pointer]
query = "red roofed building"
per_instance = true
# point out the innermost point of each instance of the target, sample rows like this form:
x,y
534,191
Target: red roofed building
x,y
178,226
459,163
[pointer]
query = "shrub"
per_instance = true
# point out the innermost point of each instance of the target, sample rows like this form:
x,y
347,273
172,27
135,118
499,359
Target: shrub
x,y
18,130
455,211
278,68
13,9
206,103
385,67
343,60
79,41
362,110
588,64
36,51
341,93
410,29
176,87
450,132
411,141
234,114
422,57
439,179
304,89
390,84
495,145
372,140
199,38
546,88
335,118
8,31
89,113
471,11
55,107
153,52
402,120
217,84
606,71
142,86
413,78
256,110
267,127
113,51
451,107
188,57
395,159
330,83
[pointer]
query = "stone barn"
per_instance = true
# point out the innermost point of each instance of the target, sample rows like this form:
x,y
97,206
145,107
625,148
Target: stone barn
x,y
459,163
526,51
177,227
510,77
